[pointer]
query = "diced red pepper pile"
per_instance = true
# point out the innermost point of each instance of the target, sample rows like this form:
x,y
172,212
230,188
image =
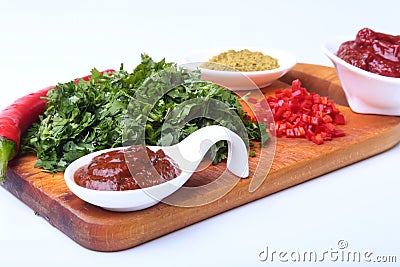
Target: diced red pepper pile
x,y
301,114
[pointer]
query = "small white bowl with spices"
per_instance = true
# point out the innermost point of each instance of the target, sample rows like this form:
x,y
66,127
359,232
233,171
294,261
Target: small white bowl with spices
x,y
241,68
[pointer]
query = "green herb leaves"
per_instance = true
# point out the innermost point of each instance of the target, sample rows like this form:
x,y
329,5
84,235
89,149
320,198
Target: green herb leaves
x,y
158,103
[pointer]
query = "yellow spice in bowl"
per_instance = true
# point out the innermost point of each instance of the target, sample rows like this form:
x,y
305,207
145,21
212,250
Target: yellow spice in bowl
x,y
243,60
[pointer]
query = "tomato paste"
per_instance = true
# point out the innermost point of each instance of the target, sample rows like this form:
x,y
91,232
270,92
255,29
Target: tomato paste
x,y
374,52
127,169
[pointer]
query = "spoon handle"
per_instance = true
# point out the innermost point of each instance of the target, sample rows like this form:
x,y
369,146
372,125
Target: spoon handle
x,y
192,149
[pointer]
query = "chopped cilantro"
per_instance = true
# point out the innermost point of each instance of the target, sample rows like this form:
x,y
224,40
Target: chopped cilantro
x,y
158,103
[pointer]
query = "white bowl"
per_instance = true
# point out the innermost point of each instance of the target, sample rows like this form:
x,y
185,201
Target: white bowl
x,y
366,92
237,80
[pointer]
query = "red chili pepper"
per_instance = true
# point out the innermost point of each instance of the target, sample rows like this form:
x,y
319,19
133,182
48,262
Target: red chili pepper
x,y
301,114
16,119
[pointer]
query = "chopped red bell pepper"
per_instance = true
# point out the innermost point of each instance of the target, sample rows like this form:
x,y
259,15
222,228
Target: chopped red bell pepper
x,y
301,114
339,119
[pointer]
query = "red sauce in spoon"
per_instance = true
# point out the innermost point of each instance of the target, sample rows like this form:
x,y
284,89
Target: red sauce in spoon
x,y
127,169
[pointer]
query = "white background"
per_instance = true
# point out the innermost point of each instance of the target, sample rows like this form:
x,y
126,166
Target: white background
x,y
45,42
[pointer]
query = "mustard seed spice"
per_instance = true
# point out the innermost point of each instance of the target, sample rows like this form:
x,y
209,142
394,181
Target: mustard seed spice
x,y
243,60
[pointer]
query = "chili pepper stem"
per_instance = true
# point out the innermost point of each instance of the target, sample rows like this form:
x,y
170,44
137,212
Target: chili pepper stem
x,y
7,151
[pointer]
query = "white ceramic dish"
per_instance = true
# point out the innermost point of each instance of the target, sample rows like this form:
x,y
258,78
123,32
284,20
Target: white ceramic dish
x,y
366,92
236,80
188,154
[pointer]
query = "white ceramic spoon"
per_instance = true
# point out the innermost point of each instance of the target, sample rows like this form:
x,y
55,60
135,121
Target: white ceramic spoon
x,y
187,154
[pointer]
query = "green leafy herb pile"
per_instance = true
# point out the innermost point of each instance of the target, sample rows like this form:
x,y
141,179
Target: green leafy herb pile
x,y
158,103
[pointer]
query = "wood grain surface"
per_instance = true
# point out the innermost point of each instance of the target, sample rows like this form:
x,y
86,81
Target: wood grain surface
x,y
295,161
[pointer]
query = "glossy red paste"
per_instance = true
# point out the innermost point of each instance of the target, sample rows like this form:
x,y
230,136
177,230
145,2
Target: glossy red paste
x,y
374,52
131,168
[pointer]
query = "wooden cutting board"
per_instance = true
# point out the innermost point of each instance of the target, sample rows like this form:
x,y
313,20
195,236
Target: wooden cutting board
x,y
295,161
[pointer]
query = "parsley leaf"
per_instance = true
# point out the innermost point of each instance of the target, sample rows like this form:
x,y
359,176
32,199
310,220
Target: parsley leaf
x,y
158,103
